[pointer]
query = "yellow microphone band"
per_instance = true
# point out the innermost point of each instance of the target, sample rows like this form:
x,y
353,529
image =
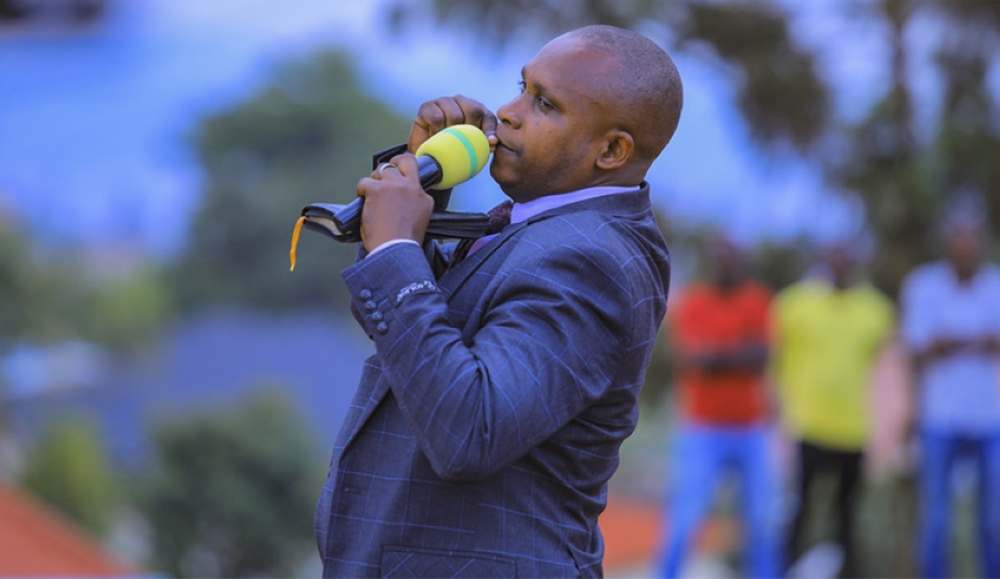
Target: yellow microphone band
x,y
473,161
460,150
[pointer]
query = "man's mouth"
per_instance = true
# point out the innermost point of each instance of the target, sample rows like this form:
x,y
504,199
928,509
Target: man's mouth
x,y
502,147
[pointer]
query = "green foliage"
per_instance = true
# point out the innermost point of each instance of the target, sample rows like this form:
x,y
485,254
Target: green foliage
x,y
660,373
779,90
307,136
69,469
53,298
778,265
231,493
905,183
43,298
16,283
127,312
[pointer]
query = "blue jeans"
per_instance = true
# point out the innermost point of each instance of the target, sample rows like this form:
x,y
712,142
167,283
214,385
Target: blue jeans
x,y
702,454
938,455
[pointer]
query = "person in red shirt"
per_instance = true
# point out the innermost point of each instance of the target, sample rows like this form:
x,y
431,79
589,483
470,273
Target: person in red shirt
x,y
719,337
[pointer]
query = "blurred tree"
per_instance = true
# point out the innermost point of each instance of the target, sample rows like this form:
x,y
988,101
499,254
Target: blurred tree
x,y
660,374
779,91
16,285
70,470
904,182
52,298
780,264
125,313
306,136
231,493
41,297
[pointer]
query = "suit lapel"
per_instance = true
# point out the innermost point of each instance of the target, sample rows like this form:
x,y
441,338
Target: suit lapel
x,y
618,204
453,280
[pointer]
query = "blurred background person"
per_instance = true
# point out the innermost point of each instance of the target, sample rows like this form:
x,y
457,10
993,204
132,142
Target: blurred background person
x,y
719,339
951,327
829,331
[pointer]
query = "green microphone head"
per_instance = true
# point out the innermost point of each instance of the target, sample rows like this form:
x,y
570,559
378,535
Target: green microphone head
x,y
460,150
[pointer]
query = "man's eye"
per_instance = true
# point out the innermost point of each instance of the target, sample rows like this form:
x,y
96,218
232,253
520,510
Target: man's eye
x,y
544,104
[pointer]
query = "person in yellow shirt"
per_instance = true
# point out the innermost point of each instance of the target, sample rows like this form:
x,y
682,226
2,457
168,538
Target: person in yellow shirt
x,y
828,333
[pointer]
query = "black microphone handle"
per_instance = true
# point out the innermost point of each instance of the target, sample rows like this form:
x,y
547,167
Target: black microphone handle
x,y
348,219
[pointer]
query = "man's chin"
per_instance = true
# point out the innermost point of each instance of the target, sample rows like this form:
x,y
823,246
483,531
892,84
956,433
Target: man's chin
x,y
501,174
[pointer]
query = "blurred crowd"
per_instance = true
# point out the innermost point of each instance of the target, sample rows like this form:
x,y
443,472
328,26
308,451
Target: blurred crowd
x,y
755,365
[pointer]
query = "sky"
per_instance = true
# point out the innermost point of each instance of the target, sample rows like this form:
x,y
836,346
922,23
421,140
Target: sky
x,y
93,127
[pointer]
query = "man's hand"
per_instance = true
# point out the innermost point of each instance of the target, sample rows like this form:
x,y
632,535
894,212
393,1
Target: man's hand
x,y
396,206
444,112
945,347
751,356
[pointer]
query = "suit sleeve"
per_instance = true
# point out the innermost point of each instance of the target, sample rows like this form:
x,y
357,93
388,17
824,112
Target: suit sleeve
x,y
438,257
548,348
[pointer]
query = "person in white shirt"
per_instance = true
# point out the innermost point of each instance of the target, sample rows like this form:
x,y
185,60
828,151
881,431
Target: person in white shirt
x,y
951,327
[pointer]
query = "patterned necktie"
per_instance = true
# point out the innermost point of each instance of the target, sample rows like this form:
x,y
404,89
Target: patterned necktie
x,y
499,218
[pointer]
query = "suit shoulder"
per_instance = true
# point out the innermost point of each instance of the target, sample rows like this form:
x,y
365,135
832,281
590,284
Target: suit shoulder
x,y
593,228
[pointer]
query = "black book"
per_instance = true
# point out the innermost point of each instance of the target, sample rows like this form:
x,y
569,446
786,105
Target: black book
x,y
343,222
338,222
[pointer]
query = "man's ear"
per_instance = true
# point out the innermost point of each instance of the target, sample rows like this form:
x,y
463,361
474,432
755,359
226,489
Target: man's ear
x,y
618,149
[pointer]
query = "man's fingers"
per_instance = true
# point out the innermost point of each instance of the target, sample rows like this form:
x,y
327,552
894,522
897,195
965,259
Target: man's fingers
x,y
406,165
490,128
477,114
400,167
430,116
453,112
433,116
364,186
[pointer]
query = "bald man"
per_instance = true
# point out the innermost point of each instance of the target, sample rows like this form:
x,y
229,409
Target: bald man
x,y
506,375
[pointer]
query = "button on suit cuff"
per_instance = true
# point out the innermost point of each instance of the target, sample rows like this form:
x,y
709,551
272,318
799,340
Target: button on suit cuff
x,y
380,285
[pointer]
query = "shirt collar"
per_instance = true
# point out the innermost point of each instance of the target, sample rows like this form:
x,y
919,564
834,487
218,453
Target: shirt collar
x,y
524,211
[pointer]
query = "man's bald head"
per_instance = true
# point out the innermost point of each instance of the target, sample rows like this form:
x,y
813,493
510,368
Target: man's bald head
x,y
645,88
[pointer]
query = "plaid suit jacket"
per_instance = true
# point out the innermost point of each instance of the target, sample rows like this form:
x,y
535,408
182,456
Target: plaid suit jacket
x,y
485,428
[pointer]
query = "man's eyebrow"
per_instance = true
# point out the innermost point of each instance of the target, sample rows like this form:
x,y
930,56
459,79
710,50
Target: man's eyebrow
x,y
534,84
539,88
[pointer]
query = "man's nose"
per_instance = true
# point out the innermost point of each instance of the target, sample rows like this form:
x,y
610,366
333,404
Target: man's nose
x,y
508,114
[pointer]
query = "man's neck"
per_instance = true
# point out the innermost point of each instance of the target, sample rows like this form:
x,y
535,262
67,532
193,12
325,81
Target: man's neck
x,y
533,194
525,210
727,285
965,274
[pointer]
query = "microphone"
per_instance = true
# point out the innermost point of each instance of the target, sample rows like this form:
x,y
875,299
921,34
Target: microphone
x,y
450,157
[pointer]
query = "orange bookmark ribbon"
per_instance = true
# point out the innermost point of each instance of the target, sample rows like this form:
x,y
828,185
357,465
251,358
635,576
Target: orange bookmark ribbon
x,y
295,240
